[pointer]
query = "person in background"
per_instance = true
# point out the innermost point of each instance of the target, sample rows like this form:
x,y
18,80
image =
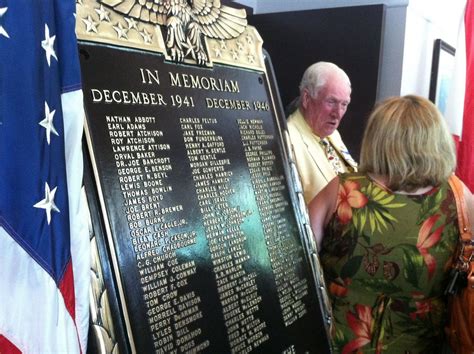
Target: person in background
x,y
387,234
320,154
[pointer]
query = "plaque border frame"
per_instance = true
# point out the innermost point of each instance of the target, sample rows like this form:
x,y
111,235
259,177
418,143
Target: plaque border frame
x,y
299,209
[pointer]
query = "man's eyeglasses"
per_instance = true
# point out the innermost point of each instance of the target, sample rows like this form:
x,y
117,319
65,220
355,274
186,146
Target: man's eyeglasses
x,y
332,102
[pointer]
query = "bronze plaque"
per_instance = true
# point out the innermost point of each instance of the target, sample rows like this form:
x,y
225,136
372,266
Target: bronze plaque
x,y
204,244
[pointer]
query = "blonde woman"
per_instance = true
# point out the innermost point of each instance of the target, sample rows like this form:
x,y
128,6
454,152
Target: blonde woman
x,y
387,234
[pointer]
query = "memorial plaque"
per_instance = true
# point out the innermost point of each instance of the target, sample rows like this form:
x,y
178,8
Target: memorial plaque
x,y
202,228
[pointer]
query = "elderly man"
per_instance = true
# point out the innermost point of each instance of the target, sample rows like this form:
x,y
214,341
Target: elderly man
x,y
325,93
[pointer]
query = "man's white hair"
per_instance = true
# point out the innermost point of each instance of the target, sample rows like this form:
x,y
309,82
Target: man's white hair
x,y
317,74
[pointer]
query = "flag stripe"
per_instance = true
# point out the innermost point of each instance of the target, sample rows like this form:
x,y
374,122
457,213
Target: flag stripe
x,y
37,321
73,115
465,168
66,287
7,346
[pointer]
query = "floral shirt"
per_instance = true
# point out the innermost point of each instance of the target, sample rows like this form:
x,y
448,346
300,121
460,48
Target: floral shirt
x,y
385,258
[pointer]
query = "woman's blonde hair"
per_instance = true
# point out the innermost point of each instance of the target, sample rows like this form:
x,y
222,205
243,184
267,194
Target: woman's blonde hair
x,y
406,140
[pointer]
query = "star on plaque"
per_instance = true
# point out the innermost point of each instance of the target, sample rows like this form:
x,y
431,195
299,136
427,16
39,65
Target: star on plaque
x,y
249,38
121,31
131,23
48,45
240,46
103,14
217,52
251,58
2,30
91,26
146,36
222,43
47,122
234,53
48,202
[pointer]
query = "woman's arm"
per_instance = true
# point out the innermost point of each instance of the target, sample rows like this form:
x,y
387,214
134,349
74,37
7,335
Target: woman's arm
x,y
321,209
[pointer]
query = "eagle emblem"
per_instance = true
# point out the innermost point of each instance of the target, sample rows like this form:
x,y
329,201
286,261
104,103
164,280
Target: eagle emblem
x,y
186,22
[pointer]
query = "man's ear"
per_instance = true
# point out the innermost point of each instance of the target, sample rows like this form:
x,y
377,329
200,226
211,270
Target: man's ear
x,y
305,97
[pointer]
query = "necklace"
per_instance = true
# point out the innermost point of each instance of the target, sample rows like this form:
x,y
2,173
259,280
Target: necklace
x,y
379,182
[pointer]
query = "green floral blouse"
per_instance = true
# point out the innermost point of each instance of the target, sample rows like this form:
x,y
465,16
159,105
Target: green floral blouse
x,y
385,258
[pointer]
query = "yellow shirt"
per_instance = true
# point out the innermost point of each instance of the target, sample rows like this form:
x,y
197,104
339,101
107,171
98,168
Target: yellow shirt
x,y
313,166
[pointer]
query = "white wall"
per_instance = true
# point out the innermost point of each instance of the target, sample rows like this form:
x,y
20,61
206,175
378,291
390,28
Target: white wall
x,y
427,20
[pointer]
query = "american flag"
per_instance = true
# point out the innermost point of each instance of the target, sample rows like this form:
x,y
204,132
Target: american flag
x,y
44,242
